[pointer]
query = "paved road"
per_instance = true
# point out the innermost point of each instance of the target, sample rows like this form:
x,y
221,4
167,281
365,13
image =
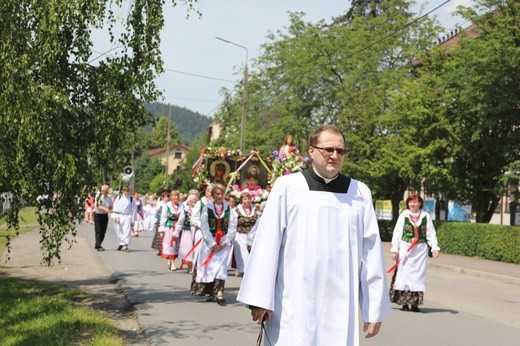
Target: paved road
x,y
468,302
168,313
460,309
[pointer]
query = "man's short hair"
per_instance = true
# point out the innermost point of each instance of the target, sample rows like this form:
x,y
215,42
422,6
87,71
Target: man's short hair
x,y
313,140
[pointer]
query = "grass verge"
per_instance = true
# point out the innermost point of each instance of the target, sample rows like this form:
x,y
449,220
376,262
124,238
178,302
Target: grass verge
x,y
36,313
28,222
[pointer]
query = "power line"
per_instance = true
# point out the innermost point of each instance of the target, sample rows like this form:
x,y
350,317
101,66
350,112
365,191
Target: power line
x,y
101,54
398,30
200,76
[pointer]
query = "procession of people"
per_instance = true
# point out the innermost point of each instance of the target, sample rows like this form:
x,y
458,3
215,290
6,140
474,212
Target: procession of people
x,y
315,240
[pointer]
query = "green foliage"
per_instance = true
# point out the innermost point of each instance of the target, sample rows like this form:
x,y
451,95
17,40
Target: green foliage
x,y
35,313
316,73
493,242
480,105
158,183
146,168
415,116
142,141
69,113
190,125
164,133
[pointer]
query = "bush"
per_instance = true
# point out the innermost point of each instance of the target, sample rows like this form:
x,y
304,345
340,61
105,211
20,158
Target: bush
x,y
492,242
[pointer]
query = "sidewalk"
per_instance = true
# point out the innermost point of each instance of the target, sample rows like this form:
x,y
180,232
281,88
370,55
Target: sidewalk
x,y
506,272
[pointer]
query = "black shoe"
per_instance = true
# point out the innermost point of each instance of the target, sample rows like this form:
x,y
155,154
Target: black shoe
x,y
405,308
221,301
100,248
119,247
415,308
210,299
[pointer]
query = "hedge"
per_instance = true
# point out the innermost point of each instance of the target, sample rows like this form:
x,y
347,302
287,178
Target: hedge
x,y
492,242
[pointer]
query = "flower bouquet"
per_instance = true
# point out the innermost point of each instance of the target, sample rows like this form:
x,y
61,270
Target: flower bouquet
x,y
291,163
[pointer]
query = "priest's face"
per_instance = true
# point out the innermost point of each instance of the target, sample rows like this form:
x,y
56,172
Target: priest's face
x,y
326,159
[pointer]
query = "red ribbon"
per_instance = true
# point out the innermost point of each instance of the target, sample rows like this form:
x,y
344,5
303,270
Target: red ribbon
x,y
208,259
218,238
191,250
414,242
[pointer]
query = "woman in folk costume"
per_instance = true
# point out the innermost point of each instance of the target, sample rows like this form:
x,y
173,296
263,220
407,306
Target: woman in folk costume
x,y
246,219
188,234
218,227
413,232
195,222
172,217
159,229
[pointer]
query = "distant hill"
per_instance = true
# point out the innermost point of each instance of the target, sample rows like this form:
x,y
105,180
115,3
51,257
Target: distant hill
x,y
190,125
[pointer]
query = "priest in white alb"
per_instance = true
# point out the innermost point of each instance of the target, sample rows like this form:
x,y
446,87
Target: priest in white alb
x,y
316,259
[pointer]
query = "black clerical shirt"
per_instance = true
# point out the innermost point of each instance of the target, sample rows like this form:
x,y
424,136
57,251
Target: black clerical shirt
x,y
339,184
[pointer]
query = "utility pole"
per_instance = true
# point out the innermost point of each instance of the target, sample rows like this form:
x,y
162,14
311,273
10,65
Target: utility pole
x,y
243,122
166,151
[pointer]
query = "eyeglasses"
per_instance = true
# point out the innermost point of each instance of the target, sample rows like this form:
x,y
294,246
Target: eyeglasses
x,y
331,150
126,190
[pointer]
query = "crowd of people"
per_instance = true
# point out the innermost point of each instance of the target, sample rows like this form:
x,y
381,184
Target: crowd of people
x,y
203,234
312,255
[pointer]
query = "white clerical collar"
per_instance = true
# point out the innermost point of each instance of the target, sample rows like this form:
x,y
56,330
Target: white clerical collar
x,y
327,180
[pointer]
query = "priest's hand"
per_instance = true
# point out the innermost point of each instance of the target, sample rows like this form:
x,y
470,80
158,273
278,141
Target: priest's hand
x,y
372,328
260,314
394,256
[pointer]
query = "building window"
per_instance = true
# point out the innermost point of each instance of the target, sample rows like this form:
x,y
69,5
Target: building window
x,y
178,154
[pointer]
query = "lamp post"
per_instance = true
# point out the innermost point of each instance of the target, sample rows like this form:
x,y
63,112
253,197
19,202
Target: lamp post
x,y
243,122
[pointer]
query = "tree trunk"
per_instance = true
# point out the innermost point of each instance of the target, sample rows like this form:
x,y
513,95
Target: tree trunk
x,y
485,207
512,212
397,197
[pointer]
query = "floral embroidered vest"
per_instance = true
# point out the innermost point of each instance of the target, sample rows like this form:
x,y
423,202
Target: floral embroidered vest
x,y
213,221
246,223
172,217
408,231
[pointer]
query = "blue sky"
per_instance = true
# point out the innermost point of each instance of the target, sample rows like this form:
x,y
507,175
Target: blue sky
x,y
190,49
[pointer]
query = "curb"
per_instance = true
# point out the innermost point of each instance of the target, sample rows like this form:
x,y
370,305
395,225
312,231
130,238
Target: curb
x,y
477,273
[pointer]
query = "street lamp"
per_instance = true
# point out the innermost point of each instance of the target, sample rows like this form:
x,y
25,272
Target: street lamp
x,y
243,122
